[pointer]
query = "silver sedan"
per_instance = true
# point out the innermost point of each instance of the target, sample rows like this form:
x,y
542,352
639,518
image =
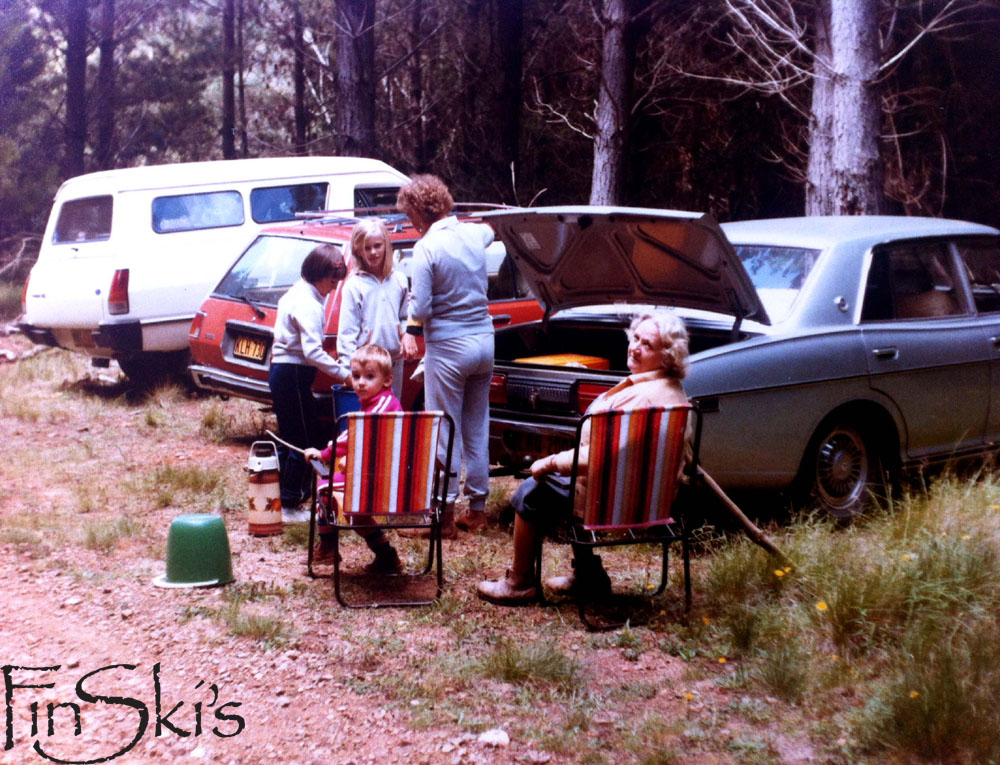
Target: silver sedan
x,y
827,353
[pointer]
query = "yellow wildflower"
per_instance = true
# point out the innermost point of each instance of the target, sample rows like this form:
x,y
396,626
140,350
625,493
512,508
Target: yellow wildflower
x,y
788,569
689,696
966,536
913,694
779,573
722,660
821,606
706,620
650,586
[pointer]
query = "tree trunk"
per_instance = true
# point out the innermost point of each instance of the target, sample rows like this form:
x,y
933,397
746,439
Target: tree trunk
x,y
76,87
241,83
299,78
421,149
228,80
510,31
613,105
355,80
845,178
106,88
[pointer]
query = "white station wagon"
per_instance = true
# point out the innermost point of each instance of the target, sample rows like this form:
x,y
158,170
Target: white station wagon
x,y
129,255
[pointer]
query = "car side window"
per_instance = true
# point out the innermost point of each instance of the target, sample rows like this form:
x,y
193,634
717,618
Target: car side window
x,y
911,281
278,203
982,264
190,212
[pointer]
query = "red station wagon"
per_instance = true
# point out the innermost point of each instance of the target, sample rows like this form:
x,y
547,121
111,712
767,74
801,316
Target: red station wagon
x,y
230,337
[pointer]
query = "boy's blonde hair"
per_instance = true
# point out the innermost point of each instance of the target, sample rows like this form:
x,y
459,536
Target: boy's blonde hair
x,y
371,228
377,356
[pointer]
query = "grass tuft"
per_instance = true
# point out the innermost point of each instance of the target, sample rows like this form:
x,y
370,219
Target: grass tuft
x,y
541,662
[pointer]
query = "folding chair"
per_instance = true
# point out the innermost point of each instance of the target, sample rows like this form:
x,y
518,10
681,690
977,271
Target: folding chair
x,y
632,475
393,478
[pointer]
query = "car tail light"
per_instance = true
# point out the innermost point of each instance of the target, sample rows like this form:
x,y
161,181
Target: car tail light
x,y
587,392
118,295
195,332
498,389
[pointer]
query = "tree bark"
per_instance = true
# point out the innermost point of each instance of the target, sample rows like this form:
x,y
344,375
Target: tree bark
x,y
845,175
355,80
510,32
228,80
299,78
241,81
106,88
613,105
76,87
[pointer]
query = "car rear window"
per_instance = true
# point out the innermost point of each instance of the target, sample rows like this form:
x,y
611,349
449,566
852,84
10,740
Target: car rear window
x,y
84,220
982,264
278,203
778,274
266,269
192,212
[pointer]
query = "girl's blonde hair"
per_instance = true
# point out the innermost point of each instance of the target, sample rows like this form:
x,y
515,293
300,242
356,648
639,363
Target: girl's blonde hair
x,y
371,228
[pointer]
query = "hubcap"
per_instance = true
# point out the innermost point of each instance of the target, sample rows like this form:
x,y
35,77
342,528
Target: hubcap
x,y
842,468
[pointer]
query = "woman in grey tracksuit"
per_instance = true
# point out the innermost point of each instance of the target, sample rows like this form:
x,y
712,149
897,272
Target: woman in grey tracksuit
x,y
449,280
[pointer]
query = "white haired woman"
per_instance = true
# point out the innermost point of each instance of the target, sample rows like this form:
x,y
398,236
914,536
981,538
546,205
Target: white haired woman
x,y
657,360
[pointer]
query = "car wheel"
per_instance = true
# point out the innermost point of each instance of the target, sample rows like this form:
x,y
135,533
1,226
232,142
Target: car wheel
x,y
845,470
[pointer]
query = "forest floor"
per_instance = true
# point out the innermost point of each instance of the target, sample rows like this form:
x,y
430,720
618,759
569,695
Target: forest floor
x,y
269,668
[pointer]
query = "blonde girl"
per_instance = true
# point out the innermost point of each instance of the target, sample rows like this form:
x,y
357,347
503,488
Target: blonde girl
x,y
374,300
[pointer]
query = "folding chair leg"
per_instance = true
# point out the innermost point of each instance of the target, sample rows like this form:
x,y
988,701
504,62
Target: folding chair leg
x,y
685,551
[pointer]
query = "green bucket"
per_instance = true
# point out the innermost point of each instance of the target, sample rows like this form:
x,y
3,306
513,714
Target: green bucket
x,y
197,552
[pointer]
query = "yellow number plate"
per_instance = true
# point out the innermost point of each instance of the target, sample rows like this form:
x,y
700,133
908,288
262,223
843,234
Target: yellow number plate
x,y
249,348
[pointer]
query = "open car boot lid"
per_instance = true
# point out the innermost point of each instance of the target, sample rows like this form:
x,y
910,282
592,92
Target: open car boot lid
x,y
576,256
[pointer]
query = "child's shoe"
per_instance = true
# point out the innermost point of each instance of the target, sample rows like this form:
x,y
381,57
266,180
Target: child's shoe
x,y
386,562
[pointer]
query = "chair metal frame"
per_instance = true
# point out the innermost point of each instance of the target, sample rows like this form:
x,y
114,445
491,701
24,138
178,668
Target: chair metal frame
x,y
664,529
424,517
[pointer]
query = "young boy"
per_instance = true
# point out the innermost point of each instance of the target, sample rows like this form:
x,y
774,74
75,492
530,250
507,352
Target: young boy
x,y
371,378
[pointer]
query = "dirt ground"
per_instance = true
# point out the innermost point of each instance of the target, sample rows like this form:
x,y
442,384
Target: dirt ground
x,y
163,675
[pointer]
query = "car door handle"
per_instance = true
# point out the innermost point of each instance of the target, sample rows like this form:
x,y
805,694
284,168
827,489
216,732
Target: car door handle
x,y
996,341
501,319
886,354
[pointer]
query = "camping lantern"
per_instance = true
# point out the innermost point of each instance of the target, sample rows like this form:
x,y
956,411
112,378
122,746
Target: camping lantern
x,y
263,491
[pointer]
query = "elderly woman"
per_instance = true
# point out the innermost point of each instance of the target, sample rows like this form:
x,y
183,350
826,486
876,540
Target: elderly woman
x,y
450,308
296,355
657,359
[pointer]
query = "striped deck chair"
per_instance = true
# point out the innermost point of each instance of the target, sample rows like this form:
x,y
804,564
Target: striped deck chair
x,y
391,478
636,458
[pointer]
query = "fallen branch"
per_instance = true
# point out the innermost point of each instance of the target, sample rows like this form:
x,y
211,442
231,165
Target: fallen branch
x,y
755,534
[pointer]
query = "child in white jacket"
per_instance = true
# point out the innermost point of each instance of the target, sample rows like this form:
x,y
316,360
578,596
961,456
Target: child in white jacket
x,y
374,300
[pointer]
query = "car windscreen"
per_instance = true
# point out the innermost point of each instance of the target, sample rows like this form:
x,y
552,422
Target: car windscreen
x,y
266,269
777,273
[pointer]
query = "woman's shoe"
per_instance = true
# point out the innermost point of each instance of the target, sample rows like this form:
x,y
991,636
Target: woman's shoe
x,y
448,528
504,593
590,580
472,521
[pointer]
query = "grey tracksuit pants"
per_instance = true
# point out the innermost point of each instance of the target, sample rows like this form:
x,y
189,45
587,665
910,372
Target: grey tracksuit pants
x,y
457,374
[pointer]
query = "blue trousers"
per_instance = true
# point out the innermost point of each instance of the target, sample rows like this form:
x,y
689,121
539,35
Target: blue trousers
x,y
298,416
457,374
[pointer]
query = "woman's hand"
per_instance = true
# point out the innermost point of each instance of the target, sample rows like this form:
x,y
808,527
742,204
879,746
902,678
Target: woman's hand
x,y
542,466
409,345
312,454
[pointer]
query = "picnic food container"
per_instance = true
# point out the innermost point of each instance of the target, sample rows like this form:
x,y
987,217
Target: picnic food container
x,y
263,490
198,552
566,360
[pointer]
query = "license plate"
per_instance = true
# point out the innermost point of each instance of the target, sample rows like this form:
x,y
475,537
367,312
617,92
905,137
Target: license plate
x,y
251,348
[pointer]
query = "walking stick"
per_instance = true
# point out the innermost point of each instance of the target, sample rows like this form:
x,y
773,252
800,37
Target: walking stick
x,y
755,534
